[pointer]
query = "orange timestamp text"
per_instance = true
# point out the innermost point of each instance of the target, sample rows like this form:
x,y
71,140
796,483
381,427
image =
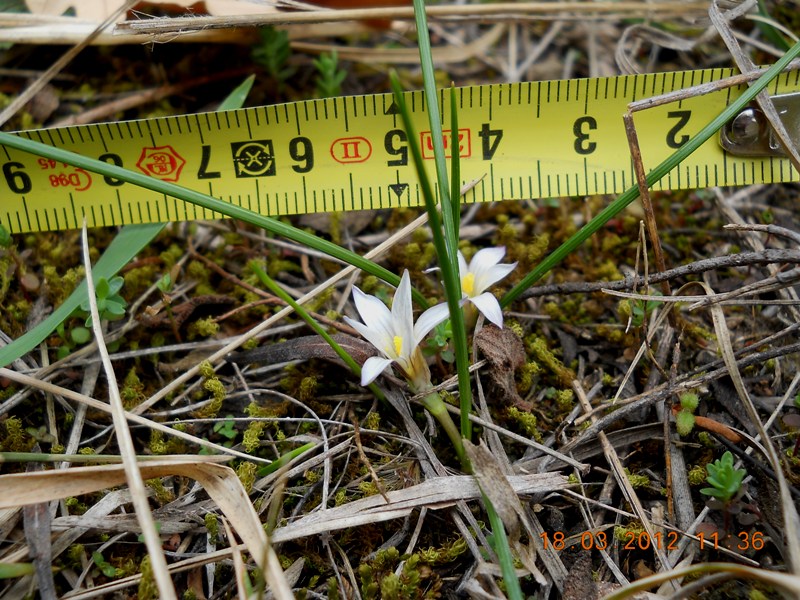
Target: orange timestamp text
x,y
633,540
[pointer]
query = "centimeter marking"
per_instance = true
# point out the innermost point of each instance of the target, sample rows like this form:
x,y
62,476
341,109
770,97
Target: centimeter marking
x,y
519,141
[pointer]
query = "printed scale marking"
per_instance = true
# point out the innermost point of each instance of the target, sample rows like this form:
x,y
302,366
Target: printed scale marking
x,y
522,141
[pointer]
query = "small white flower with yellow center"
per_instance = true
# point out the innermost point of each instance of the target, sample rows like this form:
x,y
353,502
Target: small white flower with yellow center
x,y
395,334
482,273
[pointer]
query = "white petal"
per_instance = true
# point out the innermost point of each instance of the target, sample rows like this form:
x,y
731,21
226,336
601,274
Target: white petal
x,y
373,366
463,269
428,320
490,308
402,313
377,337
373,312
486,258
492,276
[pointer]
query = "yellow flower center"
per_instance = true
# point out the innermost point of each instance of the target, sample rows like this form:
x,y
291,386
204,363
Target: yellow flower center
x,y
468,284
398,345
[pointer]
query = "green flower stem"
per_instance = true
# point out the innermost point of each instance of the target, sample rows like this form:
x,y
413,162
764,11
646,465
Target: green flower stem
x,y
281,293
655,175
447,263
434,404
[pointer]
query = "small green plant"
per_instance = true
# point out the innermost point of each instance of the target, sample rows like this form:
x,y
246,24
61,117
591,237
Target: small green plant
x,y
684,418
437,344
725,480
329,77
640,310
105,567
227,429
110,305
273,54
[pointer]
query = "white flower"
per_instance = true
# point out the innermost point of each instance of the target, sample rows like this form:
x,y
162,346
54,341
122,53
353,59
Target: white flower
x,y
395,334
483,272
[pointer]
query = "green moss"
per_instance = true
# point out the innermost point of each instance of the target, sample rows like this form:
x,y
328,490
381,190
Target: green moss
x,y
697,475
526,421
162,494
204,328
75,506
148,590
212,526
61,285
132,390
157,444
171,255
13,437
252,436
415,580
689,401
684,422
198,271
75,555
246,472
373,420
623,534
526,376
541,353
214,386
565,400
637,481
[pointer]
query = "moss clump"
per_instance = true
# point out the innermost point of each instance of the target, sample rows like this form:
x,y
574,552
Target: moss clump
x,y
537,347
13,437
565,400
526,376
373,421
132,390
204,328
246,472
148,590
637,481
526,421
214,386
378,579
697,475
162,494
252,436
212,526
75,506
684,422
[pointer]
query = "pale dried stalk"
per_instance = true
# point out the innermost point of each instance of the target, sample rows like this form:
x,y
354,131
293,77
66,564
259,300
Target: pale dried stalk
x,y
141,505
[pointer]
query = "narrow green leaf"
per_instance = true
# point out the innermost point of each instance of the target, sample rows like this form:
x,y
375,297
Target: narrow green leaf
x,y
119,253
449,268
14,570
503,550
238,96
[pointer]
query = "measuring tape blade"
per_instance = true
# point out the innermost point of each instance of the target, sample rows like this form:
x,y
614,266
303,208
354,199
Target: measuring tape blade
x,y
518,141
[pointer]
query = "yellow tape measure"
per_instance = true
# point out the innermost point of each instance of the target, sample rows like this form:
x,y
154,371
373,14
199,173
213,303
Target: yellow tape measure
x,y
519,141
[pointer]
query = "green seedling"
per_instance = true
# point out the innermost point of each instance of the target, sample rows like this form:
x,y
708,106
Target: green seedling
x,y
641,310
437,344
725,480
165,284
227,429
110,305
684,418
329,77
273,54
105,567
